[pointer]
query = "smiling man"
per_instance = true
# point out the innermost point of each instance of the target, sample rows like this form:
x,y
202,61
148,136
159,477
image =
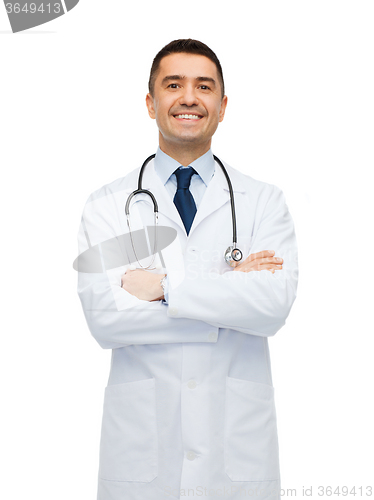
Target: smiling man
x,y
189,406
186,99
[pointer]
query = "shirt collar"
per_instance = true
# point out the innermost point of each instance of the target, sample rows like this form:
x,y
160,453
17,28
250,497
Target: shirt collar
x,y
165,166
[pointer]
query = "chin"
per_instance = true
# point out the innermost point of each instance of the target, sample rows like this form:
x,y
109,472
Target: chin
x,y
189,139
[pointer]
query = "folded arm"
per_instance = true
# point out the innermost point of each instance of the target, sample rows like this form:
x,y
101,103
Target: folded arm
x,y
116,317
257,303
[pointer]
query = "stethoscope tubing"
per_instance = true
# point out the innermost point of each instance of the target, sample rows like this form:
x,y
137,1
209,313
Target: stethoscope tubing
x,y
155,206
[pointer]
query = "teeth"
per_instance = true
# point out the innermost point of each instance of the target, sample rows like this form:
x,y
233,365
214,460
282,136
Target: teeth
x,y
188,117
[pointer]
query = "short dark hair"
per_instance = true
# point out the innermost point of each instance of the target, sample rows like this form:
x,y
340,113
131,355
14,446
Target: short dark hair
x,y
187,46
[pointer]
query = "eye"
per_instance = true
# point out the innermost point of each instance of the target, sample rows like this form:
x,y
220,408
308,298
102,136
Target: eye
x,y
204,87
173,86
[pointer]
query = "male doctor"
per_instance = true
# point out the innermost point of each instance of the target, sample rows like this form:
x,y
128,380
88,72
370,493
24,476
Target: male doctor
x,y
189,406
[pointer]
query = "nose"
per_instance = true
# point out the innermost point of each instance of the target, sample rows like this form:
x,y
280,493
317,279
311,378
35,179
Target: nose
x,y
189,96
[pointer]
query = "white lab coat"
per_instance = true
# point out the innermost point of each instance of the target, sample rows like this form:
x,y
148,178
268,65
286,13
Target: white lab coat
x,y
189,407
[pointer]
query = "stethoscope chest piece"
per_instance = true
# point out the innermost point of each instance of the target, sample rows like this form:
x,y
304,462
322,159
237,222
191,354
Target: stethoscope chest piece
x,y
233,255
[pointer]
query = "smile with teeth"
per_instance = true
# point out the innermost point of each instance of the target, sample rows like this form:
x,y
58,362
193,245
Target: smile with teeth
x,y
188,117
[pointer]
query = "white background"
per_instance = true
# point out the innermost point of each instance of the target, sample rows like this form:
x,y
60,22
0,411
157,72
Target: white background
x,y
299,77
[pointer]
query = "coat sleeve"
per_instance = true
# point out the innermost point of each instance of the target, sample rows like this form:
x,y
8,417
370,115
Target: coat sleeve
x,y
115,317
256,302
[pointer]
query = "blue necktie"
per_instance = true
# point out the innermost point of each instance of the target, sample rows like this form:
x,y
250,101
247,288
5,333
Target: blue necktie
x,y
183,198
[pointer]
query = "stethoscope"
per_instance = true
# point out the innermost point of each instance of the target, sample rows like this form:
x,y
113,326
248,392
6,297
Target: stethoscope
x,y
232,254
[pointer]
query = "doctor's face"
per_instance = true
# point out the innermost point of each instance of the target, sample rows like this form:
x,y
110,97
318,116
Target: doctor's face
x,y
187,103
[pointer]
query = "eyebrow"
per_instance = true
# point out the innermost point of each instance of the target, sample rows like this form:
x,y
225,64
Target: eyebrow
x,y
182,77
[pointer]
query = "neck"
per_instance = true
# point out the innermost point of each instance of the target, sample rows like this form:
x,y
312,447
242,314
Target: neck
x,y
184,155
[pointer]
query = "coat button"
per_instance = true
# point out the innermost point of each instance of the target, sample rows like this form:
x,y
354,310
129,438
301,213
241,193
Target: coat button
x,y
191,455
173,311
192,384
212,337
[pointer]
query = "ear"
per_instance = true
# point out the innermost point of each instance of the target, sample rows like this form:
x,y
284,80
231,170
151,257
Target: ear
x,y
150,106
223,108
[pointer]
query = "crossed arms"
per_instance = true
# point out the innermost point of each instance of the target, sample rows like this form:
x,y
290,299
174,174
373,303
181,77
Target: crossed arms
x,y
124,308
146,286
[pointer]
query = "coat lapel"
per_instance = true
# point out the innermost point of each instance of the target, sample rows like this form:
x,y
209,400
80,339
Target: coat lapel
x,y
216,195
153,183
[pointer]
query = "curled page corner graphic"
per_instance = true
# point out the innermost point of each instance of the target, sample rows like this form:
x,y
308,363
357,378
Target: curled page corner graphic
x,y
70,4
24,15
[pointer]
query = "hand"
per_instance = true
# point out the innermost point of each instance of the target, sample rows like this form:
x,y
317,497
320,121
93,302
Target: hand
x,y
144,285
260,261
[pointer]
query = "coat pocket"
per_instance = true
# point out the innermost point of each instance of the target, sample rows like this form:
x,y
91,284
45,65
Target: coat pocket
x,y
129,441
250,434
